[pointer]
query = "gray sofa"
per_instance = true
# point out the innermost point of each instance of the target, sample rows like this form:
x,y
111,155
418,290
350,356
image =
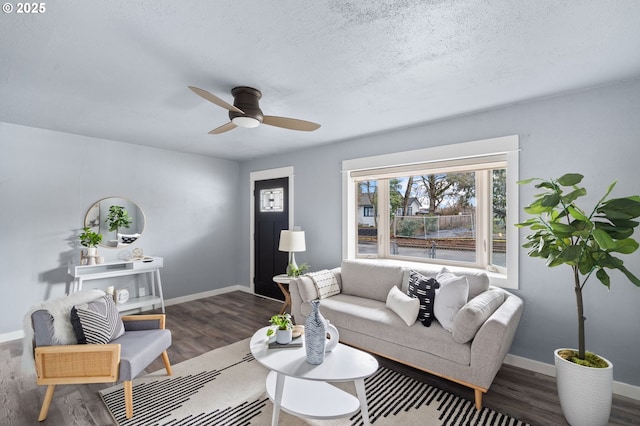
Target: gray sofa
x,y
361,315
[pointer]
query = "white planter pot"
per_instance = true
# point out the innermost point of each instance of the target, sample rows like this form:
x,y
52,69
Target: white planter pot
x,y
585,393
283,336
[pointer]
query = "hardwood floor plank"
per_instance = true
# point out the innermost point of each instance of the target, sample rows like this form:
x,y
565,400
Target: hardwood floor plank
x,y
203,325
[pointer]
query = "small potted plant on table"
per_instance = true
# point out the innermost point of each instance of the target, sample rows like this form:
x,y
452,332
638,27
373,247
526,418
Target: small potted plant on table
x,y
283,328
90,240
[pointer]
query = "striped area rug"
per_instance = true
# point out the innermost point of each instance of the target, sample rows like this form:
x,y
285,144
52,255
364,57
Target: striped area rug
x,y
227,387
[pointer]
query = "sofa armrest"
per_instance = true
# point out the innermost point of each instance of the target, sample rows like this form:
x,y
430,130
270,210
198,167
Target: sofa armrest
x,y
144,322
492,342
61,364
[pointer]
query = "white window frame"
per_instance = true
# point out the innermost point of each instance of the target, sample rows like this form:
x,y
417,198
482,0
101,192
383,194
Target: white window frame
x,y
506,148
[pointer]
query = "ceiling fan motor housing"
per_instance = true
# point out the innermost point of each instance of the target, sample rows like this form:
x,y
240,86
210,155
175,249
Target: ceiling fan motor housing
x,y
246,99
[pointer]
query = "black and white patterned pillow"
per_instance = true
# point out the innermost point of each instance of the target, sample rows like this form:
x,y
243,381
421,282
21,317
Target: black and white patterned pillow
x,y
97,321
424,289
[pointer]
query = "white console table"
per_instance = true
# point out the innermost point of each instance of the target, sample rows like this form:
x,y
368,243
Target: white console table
x,y
118,268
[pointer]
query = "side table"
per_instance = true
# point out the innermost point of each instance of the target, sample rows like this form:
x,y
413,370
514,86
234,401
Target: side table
x,y
305,390
283,281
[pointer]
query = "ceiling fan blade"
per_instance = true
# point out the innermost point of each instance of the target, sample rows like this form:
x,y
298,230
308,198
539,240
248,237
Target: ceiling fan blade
x,y
290,123
223,128
216,100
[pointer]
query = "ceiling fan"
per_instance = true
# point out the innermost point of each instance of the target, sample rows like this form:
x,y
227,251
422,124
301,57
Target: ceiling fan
x,y
245,111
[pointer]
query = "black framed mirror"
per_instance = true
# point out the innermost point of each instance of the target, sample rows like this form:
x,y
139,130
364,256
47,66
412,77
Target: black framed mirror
x,y
118,219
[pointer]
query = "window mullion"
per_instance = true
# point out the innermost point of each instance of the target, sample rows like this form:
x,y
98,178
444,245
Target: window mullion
x,y
383,218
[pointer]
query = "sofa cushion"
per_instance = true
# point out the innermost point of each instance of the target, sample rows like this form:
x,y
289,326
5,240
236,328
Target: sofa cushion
x,y
423,289
372,318
471,316
478,280
405,306
325,283
450,297
97,321
369,280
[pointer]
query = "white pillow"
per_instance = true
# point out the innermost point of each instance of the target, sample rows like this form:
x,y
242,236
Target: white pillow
x,y
405,306
450,297
325,283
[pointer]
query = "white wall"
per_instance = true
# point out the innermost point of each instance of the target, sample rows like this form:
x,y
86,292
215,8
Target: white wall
x,y
594,132
48,180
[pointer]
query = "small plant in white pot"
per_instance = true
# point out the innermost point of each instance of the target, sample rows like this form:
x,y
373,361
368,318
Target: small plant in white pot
x,y
588,241
284,328
90,240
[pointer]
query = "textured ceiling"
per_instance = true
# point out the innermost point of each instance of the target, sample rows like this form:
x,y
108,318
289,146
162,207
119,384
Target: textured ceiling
x,y
120,69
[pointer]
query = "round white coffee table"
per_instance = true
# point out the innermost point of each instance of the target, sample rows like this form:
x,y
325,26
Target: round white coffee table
x,y
302,389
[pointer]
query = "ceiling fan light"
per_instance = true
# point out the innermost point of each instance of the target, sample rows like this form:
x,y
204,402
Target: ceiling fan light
x,y
246,122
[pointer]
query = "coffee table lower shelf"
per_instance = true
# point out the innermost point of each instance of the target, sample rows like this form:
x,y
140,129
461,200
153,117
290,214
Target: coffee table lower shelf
x,y
312,399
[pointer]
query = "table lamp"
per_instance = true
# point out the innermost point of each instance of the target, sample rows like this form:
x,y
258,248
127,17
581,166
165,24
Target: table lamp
x,y
292,242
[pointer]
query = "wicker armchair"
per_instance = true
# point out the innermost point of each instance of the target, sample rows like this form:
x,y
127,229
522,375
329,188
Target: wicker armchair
x,y
144,340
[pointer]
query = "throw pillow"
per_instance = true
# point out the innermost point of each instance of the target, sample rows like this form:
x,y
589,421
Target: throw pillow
x,y
97,321
325,283
424,289
406,307
470,318
450,297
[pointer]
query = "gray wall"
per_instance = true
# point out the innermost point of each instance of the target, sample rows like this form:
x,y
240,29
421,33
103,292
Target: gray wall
x,y
594,132
48,180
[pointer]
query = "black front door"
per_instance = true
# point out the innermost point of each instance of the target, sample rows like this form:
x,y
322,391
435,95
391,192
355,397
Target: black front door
x,y
271,216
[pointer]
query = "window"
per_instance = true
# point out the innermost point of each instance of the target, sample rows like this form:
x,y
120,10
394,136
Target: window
x,y
460,208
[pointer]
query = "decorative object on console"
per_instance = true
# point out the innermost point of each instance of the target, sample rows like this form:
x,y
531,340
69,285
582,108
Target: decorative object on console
x,y
121,296
90,240
315,334
586,240
292,241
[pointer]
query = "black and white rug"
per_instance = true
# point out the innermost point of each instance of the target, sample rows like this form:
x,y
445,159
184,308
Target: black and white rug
x,y
227,387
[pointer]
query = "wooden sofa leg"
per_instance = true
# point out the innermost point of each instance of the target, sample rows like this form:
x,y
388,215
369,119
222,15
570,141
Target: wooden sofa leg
x,y
128,398
167,364
478,396
48,396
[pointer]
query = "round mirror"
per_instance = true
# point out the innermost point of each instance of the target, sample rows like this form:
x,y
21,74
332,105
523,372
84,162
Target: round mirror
x,y
119,220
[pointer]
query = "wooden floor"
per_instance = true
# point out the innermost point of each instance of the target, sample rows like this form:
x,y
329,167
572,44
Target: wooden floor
x,y
202,325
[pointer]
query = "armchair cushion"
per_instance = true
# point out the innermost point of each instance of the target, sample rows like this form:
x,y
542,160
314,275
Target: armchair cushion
x,y
97,321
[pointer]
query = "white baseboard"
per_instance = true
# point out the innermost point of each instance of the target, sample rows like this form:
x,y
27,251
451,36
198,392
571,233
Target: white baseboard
x,y
619,388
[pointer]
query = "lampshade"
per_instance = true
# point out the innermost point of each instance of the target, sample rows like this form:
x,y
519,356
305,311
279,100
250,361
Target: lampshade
x,y
292,241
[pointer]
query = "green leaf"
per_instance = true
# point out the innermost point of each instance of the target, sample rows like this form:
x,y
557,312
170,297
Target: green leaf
x,y
620,208
526,181
550,200
571,255
603,239
629,275
626,246
623,223
576,213
574,195
570,179
603,277
562,230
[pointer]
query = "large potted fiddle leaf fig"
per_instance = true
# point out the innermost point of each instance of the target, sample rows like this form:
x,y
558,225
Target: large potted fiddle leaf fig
x,y
589,242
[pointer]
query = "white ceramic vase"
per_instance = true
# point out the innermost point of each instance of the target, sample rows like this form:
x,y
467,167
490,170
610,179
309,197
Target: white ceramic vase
x,y
284,336
585,393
